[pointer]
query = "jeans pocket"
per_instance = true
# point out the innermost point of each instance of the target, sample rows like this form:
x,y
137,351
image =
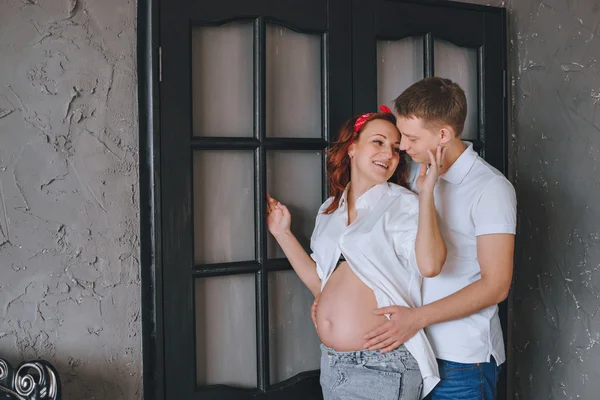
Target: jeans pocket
x,y
372,380
410,363
331,375
331,379
466,374
412,385
455,366
392,367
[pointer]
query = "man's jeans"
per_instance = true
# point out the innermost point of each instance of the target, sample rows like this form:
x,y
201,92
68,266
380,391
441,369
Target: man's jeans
x,y
466,381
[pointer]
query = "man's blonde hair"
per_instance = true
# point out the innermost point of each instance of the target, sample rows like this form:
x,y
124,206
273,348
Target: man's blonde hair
x,y
436,101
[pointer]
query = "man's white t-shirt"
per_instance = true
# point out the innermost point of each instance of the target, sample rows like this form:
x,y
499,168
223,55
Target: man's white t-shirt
x,y
472,198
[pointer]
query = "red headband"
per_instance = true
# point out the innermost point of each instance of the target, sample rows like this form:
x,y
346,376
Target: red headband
x,y
363,118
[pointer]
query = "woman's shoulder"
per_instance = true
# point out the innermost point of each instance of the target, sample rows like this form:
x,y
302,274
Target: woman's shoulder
x,y
403,193
324,206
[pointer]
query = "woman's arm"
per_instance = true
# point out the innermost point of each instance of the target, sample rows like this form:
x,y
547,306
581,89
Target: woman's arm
x,y
430,248
279,224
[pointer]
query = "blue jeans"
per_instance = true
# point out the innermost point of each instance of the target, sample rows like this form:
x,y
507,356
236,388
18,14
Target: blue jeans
x,y
370,375
466,381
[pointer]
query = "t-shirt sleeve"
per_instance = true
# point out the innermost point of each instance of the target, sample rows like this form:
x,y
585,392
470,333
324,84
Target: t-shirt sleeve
x,y
496,210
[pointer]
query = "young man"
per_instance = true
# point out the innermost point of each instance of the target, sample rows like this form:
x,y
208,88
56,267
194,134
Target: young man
x,y
477,210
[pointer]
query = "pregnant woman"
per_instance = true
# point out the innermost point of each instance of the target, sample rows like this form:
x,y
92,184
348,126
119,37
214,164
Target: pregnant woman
x,y
373,242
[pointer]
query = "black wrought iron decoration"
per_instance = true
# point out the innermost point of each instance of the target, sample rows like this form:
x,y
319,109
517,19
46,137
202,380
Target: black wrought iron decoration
x,y
31,380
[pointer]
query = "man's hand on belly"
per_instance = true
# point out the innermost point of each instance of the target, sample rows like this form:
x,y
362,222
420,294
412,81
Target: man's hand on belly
x,y
404,323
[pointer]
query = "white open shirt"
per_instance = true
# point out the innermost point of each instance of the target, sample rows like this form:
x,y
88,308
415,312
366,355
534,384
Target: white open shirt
x,y
380,249
472,198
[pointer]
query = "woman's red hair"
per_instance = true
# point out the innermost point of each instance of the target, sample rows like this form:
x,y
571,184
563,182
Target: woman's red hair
x,y
338,160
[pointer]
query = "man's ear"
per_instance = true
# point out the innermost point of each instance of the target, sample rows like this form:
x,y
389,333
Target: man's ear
x,y
446,134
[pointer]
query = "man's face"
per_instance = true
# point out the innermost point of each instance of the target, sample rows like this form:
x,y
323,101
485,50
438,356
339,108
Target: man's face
x,y
416,140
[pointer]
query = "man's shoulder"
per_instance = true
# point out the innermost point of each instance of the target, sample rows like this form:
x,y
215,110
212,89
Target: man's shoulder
x,y
486,175
491,188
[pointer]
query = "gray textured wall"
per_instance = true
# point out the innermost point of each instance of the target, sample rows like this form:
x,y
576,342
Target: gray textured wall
x,y
69,239
556,297
69,213
555,147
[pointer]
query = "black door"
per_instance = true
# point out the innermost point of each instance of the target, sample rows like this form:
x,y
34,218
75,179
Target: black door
x,y
250,93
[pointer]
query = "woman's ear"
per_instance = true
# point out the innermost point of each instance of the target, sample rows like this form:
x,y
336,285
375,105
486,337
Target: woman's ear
x,y
351,150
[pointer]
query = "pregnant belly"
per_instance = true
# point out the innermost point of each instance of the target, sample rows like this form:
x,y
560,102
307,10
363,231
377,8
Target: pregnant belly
x,y
345,311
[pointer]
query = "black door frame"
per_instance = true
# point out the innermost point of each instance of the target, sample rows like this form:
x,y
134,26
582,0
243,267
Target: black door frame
x,y
148,63
149,75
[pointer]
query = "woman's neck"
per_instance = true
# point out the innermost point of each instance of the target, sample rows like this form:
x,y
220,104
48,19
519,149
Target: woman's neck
x,y
357,188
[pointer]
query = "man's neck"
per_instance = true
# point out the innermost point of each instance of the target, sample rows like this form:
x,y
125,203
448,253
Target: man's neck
x,y
454,150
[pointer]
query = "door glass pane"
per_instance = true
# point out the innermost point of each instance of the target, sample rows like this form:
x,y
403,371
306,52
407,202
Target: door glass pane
x,y
460,65
295,179
399,65
226,331
293,341
222,80
293,73
223,206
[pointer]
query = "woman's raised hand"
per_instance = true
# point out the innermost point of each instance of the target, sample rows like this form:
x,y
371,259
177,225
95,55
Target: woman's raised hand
x,y
428,178
279,219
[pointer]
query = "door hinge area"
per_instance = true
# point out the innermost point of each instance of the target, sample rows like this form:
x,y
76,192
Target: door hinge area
x,y
160,64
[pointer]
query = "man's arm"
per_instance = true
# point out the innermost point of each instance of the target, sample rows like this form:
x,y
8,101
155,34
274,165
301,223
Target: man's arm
x,y
495,253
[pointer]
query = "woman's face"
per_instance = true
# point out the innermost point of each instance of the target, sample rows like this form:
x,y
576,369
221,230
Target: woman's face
x,y
376,153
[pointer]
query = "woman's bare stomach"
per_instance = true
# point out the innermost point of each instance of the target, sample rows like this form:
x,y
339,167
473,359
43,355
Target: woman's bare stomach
x,y
345,311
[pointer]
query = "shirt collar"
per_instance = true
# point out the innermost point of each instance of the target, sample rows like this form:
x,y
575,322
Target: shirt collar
x,y
342,204
461,167
368,199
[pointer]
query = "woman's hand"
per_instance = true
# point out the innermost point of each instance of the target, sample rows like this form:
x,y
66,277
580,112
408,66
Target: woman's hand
x,y
427,179
279,219
313,311
430,248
